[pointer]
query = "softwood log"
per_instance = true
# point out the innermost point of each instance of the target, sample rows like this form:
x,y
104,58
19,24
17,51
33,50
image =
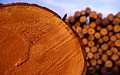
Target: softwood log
x,y
35,41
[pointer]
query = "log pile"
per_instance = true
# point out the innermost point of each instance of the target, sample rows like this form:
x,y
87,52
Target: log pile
x,y
100,37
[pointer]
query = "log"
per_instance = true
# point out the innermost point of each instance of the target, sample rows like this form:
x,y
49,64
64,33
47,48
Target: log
x,y
117,28
91,31
87,10
108,64
99,61
117,43
113,38
105,38
110,17
118,35
104,46
110,27
85,41
115,57
91,43
114,50
87,49
92,24
93,49
82,19
97,35
35,41
104,57
93,62
103,31
91,37
109,52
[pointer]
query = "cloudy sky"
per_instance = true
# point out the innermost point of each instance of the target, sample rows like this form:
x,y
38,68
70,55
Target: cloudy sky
x,y
70,6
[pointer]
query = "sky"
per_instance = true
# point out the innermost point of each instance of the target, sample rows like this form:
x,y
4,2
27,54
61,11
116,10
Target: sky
x,y
70,6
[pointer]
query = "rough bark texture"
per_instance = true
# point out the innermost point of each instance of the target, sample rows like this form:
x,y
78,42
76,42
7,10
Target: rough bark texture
x,y
35,41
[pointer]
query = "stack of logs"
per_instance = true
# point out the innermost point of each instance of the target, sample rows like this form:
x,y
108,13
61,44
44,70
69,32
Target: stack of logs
x,y
100,38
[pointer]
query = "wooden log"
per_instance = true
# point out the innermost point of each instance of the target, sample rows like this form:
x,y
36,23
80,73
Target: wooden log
x,y
113,38
77,24
110,43
87,10
104,57
81,35
93,62
98,28
93,49
108,64
105,22
110,27
118,53
96,56
92,24
97,35
114,49
100,51
85,41
103,31
78,29
91,37
105,38
117,35
83,13
77,14
109,52
87,49
116,20
118,15
99,21
83,19
117,28
118,62
35,41
91,43
85,30
99,61
110,33
104,46
99,15
110,17
71,19
115,57
86,26
91,31
93,15
90,55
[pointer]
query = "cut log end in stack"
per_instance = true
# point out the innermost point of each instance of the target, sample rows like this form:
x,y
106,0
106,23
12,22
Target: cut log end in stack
x,y
100,40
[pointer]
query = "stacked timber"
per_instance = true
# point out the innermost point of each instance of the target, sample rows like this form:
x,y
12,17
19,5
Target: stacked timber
x,y
100,37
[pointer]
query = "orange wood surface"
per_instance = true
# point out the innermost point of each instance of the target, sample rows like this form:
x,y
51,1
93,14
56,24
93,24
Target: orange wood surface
x,y
35,41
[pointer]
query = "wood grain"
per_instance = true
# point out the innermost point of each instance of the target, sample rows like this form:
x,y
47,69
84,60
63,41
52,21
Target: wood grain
x,y
52,48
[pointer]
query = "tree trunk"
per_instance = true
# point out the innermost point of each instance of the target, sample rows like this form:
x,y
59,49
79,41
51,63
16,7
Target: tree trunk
x,y
35,41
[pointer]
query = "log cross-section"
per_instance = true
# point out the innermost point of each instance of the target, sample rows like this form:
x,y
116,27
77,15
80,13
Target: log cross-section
x,y
35,41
